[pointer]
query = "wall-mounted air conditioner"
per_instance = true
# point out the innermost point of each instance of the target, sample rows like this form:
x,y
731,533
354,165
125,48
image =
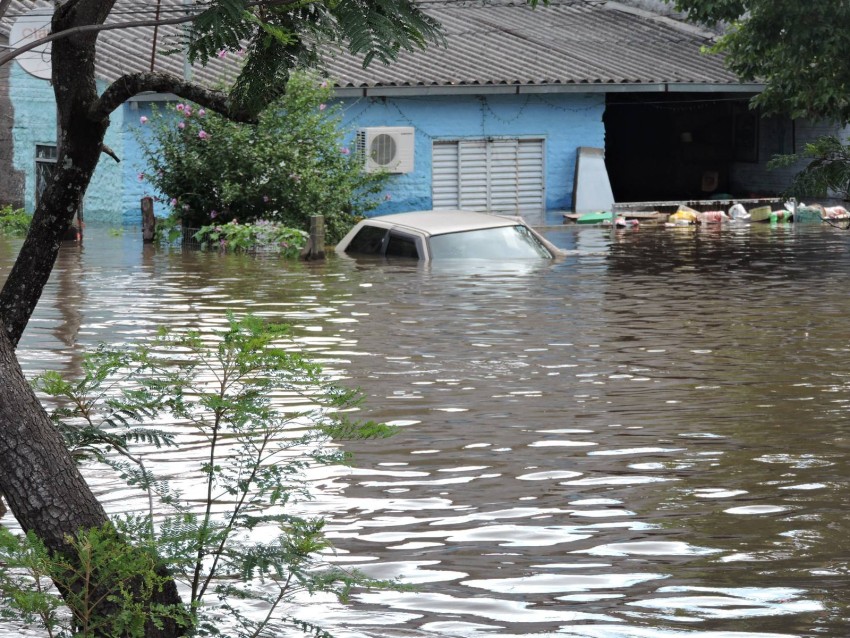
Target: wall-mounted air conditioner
x,y
386,148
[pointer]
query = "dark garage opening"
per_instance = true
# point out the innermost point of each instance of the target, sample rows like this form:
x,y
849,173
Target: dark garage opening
x,y
681,146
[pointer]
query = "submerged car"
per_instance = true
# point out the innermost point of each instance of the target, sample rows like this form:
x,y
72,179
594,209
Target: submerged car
x,y
446,234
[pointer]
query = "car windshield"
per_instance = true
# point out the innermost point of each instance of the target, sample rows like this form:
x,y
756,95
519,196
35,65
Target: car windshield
x,y
506,242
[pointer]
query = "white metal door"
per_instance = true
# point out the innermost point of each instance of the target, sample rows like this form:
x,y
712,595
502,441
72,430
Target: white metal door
x,y
504,175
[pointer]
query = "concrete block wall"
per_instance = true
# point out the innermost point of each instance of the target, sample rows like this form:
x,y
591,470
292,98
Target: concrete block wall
x,y
777,136
565,122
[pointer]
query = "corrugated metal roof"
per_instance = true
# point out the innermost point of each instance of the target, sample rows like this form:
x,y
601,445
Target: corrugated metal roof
x,y
489,43
566,42
124,51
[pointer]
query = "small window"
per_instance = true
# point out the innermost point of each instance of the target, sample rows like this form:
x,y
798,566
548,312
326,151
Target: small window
x,y
368,241
402,246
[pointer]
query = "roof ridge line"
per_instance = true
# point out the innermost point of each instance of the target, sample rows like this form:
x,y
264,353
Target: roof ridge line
x,y
681,25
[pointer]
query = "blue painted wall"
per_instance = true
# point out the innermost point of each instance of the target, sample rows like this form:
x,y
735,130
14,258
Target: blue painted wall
x,y
136,185
565,122
35,123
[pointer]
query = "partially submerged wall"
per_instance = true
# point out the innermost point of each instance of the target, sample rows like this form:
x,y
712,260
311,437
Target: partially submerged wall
x,y
34,124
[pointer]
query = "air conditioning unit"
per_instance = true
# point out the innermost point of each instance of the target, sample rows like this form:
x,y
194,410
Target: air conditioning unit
x,y
386,148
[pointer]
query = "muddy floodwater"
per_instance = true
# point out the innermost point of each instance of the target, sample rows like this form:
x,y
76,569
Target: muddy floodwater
x,y
649,439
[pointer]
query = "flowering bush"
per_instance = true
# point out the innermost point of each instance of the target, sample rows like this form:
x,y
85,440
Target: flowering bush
x,y
259,236
291,165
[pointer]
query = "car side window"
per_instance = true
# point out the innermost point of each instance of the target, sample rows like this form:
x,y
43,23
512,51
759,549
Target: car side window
x,y
402,246
368,241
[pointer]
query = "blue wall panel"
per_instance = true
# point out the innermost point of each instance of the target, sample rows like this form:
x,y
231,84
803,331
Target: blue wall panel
x,y
565,122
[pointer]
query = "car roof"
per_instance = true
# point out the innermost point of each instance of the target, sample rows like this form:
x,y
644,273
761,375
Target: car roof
x,y
438,222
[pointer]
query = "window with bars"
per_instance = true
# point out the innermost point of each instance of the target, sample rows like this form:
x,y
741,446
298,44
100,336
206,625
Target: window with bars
x,y
45,165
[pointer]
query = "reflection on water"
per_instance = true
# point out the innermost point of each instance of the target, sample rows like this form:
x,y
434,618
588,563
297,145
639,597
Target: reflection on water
x,y
644,440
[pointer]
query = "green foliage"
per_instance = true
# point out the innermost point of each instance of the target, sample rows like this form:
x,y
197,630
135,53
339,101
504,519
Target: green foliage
x,y
168,230
291,165
289,36
798,49
827,171
265,414
95,556
259,236
14,221
25,585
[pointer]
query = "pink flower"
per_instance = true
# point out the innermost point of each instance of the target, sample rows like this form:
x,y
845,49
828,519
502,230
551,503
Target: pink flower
x,y
173,202
344,150
187,111
202,113
143,120
180,107
324,84
181,125
213,214
322,107
203,134
266,198
222,54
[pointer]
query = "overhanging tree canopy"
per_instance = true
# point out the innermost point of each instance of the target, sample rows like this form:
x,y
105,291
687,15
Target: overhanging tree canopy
x,y
798,48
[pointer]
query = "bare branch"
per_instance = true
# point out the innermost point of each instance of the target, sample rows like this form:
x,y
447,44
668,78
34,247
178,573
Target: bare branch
x,y
134,83
108,151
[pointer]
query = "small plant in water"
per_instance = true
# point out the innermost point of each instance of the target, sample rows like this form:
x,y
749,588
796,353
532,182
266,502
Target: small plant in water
x,y
263,414
259,236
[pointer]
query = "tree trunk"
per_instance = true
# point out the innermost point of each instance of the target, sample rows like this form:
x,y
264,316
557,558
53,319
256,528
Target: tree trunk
x,y
41,482
42,485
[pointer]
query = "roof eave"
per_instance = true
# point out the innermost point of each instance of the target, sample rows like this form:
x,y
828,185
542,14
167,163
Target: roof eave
x,y
525,89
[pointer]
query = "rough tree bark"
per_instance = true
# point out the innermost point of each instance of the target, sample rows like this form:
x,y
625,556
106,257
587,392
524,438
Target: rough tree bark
x,y
42,485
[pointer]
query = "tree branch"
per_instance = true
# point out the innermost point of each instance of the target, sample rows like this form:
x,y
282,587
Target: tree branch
x,y
132,84
108,151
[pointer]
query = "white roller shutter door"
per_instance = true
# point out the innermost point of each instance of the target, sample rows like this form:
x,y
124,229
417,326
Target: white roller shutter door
x,y
499,175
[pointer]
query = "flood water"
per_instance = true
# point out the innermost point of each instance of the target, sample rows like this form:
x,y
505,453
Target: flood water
x,y
650,439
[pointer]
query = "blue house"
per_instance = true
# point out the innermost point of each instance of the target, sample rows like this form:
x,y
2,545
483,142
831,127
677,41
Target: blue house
x,y
492,121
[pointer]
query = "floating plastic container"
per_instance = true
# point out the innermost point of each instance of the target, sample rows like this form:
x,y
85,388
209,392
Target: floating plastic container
x,y
684,215
809,215
836,213
712,217
599,217
737,213
760,214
